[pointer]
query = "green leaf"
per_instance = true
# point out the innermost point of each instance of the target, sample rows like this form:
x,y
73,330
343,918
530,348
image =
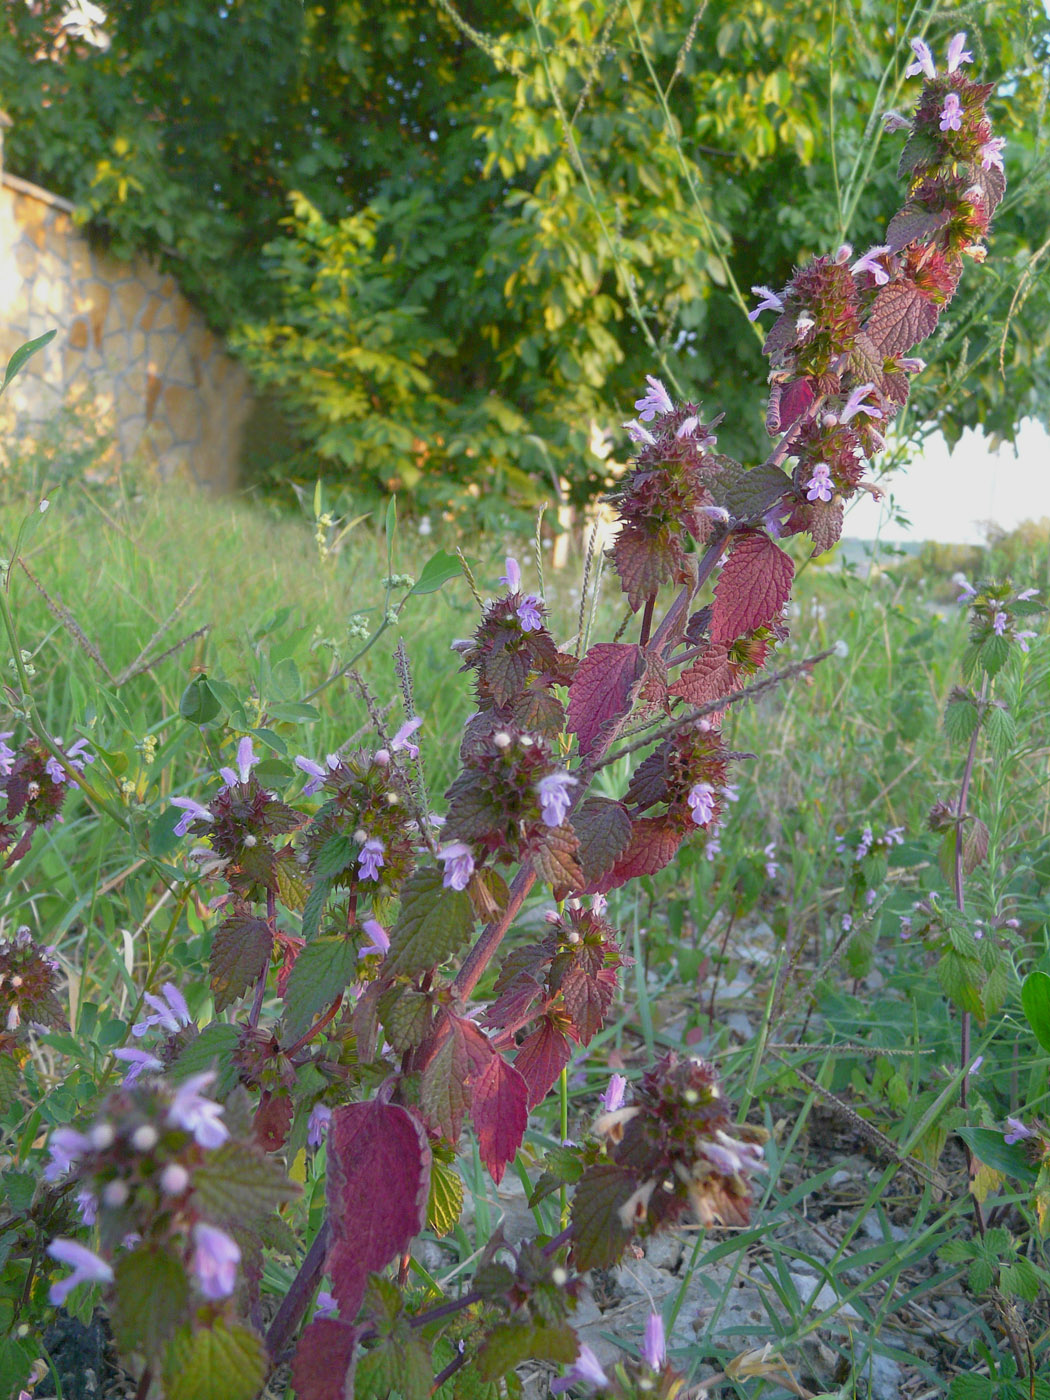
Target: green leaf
x,y
960,718
599,1236
217,1363
214,1049
293,712
400,1367
1035,1000
323,970
292,886
991,1148
405,1014
445,1202
238,1183
19,1189
314,908
150,1297
432,924
971,1387
439,569
334,856
199,703
25,352
1000,727
509,1345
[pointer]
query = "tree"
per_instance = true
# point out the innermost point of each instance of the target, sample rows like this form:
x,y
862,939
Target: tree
x,y
451,242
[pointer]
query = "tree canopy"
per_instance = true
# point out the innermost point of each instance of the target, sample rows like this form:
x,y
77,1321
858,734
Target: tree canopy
x,y
450,241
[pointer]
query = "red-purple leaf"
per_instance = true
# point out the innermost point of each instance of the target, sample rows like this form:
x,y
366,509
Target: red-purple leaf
x,y
273,1120
587,998
512,1008
914,225
323,1368
824,524
646,561
443,1093
501,1113
240,951
711,677
901,316
604,832
795,398
542,1056
601,690
654,843
599,1235
378,1182
753,586
554,859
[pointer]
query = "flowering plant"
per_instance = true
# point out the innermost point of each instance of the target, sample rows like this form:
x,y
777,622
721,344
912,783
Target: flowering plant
x,y
371,1019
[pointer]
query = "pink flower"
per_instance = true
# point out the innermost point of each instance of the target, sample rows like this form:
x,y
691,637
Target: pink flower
x,y
215,1260
76,757
87,1268
1023,638
951,113
403,738
198,1115
66,1146
870,263
771,865
612,1099
656,400
1000,623
585,1368
326,1306
459,865
923,61
991,153
554,797
701,800
654,1343
770,302
529,614
139,1060
855,404
955,52
370,858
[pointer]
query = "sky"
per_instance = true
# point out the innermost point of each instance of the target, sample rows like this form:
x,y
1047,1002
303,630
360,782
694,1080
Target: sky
x,y
947,496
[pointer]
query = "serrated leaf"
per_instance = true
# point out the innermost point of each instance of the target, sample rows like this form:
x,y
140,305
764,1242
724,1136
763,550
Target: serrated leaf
x,y
971,1387
752,588
405,1014
922,148
748,494
1035,1001
645,562
654,843
334,856
399,1367
961,978
237,1184
602,690
914,226
599,1236
975,845
993,655
710,677
323,1366
150,1297
505,671
240,954
823,524
314,908
1000,729
292,885
213,1049
603,830
216,1363
900,317
443,1093
542,1056
553,858
323,970
960,717
510,1344
445,1202
377,1190
501,1114
433,923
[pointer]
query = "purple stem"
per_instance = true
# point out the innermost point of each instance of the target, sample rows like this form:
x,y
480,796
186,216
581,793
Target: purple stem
x,y
293,1305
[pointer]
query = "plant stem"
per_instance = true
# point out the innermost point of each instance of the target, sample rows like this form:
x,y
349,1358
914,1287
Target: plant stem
x,y
294,1302
960,893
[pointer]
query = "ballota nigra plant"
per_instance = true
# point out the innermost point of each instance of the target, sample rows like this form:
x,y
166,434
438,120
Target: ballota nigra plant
x,y
401,1027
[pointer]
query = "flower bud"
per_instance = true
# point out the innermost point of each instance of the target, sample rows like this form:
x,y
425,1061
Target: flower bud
x,y
174,1179
144,1138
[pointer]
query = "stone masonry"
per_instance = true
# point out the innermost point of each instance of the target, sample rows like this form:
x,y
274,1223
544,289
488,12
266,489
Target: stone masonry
x,y
131,352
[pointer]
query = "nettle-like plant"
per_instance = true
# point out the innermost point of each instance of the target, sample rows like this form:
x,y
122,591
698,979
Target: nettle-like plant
x,y
400,1028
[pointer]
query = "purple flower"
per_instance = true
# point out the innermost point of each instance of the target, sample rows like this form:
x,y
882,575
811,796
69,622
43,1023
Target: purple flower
x,y
847,922
512,578
370,858
215,1260
87,1206
893,121
731,1156
172,1013
923,61
320,1117
1027,593
855,404
905,929
403,738
772,868
951,113
687,426
194,812
1023,638
198,1115
87,1268
870,263
955,52
246,761
380,939
819,487
894,836
314,771
529,614
7,755
76,757
770,302
654,1343
639,434
586,1368
554,797
66,1146
1000,623
459,865
1017,1132
139,1060
701,801
326,1306
975,1066
656,400
968,590
612,1099
991,153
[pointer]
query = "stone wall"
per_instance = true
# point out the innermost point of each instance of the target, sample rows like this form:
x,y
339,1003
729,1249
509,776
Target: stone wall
x,y
130,351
